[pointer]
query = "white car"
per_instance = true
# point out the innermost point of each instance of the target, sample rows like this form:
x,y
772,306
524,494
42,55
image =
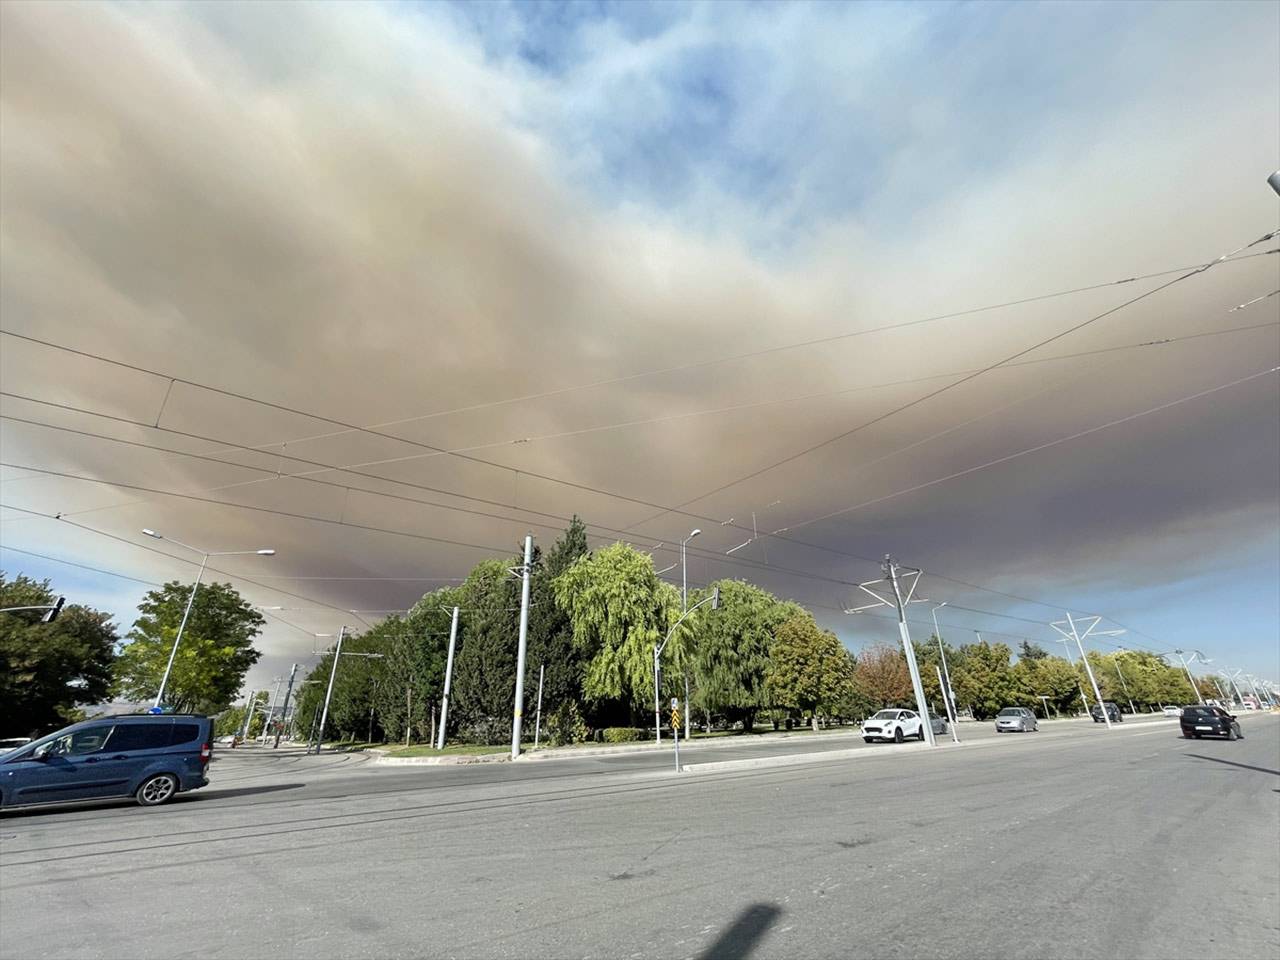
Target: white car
x,y
1172,711
895,725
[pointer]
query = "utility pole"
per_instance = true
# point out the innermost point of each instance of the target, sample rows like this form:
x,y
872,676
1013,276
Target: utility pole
x,y
333,672
537,728
518,709
944,675
684,608
1127,694
284,711
1079,638
1195,688
248,715
946,705
448,679
271,710
892,574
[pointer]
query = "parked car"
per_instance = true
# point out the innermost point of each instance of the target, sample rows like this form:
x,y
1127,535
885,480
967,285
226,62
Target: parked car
x,y
1172,711
938,723
1198,721
894,725
1016,720
150,758
1112,711
13,743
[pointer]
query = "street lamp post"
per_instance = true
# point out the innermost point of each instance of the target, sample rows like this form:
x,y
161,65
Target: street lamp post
x,y
684,606
1079,638
1195,687
204,560
714,600
947,702
51,610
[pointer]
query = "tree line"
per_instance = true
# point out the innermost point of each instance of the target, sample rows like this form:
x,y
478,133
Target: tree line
x,y
594,618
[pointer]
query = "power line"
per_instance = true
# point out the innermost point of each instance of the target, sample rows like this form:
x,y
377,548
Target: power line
x,y
1038,447
82,566
702,364
967,378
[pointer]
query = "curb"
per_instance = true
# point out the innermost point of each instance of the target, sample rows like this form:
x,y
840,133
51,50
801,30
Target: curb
x,y
455,759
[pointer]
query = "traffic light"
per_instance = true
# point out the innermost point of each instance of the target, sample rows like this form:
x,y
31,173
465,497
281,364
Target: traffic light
x,y
51,614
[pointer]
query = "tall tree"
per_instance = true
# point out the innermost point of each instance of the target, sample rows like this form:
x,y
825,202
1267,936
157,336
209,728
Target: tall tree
x,y
809,669
619,609
984,679
46,669
883,677
731,649
215,653
484,668
1031,651
551,644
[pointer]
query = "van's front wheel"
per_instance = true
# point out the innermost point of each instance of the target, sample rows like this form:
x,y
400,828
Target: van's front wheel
x,y
157,790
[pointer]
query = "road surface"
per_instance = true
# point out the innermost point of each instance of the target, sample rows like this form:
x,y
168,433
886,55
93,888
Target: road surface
x,y
1073,842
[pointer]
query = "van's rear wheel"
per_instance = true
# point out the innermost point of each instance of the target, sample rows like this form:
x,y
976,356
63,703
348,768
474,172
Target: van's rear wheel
x,y
157,790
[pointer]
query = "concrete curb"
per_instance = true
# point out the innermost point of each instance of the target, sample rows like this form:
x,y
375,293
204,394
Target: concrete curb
x,y
448,759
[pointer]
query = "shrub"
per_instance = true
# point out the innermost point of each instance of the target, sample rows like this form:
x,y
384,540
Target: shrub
x,y
488,730
624,734
567,726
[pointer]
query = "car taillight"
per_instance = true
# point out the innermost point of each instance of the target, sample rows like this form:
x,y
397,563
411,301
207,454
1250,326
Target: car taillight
x,y
205,752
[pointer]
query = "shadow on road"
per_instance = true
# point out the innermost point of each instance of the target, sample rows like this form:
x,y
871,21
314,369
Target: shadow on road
x,y
238,792
741,938
1232,763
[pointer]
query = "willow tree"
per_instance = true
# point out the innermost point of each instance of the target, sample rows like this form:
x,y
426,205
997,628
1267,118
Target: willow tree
x,y
731,650
619,610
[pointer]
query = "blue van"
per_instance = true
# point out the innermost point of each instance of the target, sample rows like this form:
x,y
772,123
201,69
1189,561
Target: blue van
x,y
149,758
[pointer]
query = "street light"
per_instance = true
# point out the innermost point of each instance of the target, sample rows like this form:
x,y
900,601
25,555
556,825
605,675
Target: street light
x,y
1195,688
947,701
684,606
51,610
714,600
204,560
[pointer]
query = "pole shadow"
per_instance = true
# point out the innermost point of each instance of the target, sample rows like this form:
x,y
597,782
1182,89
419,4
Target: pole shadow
x,y
1232,763
741,937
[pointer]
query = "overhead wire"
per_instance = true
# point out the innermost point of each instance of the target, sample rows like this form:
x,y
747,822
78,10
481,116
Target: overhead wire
x,y
572,484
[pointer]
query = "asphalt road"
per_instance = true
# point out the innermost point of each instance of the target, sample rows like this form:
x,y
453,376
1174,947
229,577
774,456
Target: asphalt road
x,y
1073,842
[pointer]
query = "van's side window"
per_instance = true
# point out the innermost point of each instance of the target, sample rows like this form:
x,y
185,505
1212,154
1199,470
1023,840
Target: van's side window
x,y
88,740
139,736
184,733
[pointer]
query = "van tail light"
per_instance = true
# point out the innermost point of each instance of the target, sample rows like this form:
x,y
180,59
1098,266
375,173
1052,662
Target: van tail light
x,y
206,752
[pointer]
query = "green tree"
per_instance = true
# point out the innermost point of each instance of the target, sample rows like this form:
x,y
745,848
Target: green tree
x,y
731,649
46,669
551,643
809,669
883,677
1031,651
231,720
619,610
216,650
484,668
984,679
1050,677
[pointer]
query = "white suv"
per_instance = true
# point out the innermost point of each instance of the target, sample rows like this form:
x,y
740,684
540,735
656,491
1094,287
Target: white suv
x,y
895,725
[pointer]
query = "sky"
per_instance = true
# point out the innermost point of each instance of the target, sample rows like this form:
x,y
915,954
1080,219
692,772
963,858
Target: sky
x,y
385,287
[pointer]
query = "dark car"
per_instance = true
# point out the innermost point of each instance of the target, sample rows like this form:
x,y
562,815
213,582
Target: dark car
x,y
1202,721
1113,712
149,758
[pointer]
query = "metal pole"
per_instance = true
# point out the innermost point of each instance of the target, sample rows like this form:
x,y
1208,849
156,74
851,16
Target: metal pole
x,y
1239,695
448,679
1127,694
1190,679
408,712
520,648
686,707
248,716
922,705
657,707
537,727
284,711
675,733
948,698
333,672
271,711
164,681
950,717
1093,681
